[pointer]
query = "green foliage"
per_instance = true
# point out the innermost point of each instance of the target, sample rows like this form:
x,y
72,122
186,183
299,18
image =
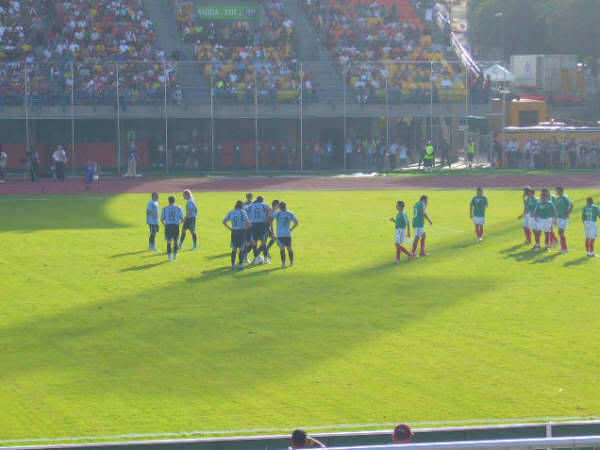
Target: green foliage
x,y
536,26
99,336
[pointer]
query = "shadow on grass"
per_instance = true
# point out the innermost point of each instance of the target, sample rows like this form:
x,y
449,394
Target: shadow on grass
x,y
120,255
578,261
141,335
526,255
546,259
143,267
220,256
58,212
212,274
513,249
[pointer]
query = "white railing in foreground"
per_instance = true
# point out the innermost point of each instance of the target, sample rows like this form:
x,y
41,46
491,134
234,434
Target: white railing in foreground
x,y
564,442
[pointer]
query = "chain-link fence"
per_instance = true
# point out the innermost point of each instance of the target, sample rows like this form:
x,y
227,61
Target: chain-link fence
x,y
247,114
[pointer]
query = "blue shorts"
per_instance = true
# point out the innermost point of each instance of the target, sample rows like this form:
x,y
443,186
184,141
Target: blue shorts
x,y
190,224
258,232
237,239
153,228
284,242
171,232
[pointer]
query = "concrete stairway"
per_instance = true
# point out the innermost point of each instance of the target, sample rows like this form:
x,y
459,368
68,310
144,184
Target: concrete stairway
x,y
196,88
316,60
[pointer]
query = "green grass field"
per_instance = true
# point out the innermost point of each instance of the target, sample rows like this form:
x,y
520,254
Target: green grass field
x,y
100,337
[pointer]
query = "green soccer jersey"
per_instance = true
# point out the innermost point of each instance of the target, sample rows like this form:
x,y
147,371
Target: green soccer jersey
x,y
563,205
401,220
419,215
545,210
591,213
479,204
530,204
553,199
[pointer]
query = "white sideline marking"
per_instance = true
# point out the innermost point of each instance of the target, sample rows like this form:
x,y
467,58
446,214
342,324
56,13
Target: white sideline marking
x,y
318,427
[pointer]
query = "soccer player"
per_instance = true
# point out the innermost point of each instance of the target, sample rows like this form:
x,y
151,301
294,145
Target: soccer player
x,y
189,221
564,208
284,231
248,201
402,231
152,211
590,216
479,204
270,232
419,216
551,199
546,217
239,223
171,217
529,203
247,245
258,213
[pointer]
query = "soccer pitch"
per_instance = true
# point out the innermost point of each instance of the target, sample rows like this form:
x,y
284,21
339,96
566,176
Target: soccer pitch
x,y
100,337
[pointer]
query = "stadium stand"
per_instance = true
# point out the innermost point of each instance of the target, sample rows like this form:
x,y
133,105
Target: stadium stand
x,y
232,52
368,39
76,43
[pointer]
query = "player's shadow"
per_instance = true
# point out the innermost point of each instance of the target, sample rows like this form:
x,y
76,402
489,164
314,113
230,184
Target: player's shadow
x,y
527,255
212,274
220,256
253,272
512,249
546,259
143,267
577,262
120,255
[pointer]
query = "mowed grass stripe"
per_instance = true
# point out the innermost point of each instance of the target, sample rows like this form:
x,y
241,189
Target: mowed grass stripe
x,y
100,337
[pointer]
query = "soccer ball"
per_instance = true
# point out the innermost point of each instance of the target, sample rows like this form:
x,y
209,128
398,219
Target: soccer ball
x,y
259,260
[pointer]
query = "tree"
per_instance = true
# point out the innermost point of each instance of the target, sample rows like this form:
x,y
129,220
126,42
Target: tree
x,y
535,26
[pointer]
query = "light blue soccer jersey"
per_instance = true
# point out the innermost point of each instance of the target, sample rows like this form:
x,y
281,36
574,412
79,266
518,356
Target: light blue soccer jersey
x,y
284,220
257,212
191,208
238,219
172,215
152,219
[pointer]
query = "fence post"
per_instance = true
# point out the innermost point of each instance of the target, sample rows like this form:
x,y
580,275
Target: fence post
x,y
345,137
387,115
301,119
73,117
118,124
212,120
431,106
166,76
256,161
26,102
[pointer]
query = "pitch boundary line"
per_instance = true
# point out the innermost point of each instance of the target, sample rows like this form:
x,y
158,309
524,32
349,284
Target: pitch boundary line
x,y
315,428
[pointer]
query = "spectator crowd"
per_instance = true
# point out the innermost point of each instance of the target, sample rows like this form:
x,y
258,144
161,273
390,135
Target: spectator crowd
x,y
370,39
247,58
74,44
550,153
